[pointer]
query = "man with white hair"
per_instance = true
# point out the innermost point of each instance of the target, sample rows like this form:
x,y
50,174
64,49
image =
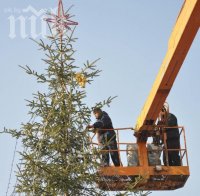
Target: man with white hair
x,y
172,136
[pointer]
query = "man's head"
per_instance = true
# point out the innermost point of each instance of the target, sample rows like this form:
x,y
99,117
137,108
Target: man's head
x,y
164,111
165,108
97,112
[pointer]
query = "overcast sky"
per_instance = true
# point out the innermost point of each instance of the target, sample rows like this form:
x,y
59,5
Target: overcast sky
x,y
131,38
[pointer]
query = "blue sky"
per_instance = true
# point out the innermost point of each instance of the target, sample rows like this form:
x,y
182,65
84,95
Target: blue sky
x,y
131,38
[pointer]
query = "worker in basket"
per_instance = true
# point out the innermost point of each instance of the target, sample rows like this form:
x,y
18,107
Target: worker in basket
x,y
172,136
106,137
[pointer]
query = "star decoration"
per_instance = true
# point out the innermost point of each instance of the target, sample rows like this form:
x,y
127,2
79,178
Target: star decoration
x,y
62,20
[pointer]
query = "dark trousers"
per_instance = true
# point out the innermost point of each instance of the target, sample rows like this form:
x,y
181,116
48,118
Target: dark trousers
x,y
110,147
173,156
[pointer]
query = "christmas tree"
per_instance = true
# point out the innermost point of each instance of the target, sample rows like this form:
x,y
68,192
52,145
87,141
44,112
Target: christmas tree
x,y
57,158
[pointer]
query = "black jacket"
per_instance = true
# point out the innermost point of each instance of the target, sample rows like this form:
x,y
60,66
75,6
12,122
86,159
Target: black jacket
x,y
172,133
103,123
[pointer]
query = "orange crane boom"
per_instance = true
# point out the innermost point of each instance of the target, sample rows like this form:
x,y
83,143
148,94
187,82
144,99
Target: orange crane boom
x,y
181,38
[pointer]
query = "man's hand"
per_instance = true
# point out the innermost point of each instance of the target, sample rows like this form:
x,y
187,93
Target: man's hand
x,y
136,134
90,126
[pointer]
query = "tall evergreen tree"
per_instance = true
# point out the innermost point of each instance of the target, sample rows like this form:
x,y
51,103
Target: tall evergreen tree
x,y
57,158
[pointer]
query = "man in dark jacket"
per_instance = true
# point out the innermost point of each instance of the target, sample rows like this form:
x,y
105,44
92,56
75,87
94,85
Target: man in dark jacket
x,y
172,138
106,137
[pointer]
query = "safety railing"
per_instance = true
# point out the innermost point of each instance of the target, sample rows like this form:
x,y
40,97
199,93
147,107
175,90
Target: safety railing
x,y
182,150
125,137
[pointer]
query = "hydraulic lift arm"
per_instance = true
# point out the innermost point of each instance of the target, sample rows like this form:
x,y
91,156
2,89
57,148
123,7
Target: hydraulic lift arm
x,y
182,36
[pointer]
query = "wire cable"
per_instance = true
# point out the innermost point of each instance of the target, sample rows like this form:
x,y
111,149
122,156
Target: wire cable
x,y
12,164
